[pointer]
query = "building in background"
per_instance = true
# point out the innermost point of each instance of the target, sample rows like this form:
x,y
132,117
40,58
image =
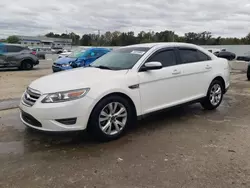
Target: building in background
x,y
42,41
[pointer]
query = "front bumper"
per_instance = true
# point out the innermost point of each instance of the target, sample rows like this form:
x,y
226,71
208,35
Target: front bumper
x,y
45,117
59,68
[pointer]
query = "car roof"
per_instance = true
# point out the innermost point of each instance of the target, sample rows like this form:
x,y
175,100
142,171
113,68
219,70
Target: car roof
x,y
101,49
163,44
9,44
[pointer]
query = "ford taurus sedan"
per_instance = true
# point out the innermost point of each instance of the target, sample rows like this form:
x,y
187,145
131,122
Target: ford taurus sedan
x,y
127,83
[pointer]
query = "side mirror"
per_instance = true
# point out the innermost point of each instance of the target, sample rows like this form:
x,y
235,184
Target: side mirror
x,y
154,65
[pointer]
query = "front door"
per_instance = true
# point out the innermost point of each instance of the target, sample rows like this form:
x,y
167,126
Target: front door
x,y
161,88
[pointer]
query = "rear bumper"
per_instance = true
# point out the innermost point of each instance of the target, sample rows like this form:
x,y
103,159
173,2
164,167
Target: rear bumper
x,y
36,62
248,69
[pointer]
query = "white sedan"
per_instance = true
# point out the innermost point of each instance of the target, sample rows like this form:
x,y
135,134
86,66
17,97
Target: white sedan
x,y
125,84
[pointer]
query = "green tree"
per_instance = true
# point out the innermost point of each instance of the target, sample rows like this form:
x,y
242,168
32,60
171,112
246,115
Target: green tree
x,y
50,34
117,38
13,39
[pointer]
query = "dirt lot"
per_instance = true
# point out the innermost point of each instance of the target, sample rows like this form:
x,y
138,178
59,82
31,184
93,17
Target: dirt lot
x,y
186,147
13,81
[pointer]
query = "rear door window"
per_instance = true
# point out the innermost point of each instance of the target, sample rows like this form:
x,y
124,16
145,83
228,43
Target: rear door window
x,y
13,49
189,55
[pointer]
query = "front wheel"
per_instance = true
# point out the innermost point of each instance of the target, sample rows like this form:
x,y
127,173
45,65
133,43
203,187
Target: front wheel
x,y
110,118
214,96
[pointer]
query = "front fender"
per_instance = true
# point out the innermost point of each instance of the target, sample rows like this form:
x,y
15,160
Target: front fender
x,y
134,95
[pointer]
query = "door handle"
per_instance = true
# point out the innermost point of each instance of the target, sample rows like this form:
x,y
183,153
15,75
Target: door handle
x,y
175,72
208,67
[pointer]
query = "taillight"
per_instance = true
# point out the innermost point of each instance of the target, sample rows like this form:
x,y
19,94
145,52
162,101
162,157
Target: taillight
x,y
34,53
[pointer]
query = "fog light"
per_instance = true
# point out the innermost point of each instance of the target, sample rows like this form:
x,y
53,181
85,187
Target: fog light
x,y
68,121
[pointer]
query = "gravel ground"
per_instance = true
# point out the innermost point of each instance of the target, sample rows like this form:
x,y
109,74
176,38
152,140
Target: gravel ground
x,y
186,147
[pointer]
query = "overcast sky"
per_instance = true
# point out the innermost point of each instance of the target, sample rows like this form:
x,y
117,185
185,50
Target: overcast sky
x,y
37,17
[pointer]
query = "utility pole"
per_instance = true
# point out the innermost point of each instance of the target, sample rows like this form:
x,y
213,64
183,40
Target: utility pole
x,y
99,34
173,36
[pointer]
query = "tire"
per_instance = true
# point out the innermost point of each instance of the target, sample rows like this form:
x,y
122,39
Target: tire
x,y
248,77
101,116
214,95
26,65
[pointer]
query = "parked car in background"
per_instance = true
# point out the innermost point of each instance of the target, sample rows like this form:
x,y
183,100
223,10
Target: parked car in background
x,y
39,52
56,50
248,71
17,56
225,54
216,50
125,84
243,58
65,53
72,53
80,59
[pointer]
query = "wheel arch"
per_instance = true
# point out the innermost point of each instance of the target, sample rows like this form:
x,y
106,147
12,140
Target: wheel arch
x,y
121,94
26,59
221,79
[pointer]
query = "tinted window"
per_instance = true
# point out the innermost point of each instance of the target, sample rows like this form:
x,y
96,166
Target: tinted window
x,y
167,58
2,49
14,48
202,56
192,55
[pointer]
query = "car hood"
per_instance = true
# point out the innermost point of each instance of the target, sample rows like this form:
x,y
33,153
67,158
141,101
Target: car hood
x,y
74,79
64,60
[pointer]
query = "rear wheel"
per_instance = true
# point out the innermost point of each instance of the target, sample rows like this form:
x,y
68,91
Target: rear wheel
x,y
110,118
214,96
26,65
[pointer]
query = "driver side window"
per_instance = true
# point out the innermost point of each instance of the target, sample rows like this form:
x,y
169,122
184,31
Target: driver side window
x,y
166,57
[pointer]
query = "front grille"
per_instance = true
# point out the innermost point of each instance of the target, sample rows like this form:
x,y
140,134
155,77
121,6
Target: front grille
x,y
30,96
30,119
56,64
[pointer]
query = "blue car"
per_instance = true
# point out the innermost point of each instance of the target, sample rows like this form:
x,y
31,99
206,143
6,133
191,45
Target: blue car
x,y
80,59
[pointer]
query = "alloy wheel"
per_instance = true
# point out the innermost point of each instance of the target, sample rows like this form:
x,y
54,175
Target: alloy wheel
x,y
113,118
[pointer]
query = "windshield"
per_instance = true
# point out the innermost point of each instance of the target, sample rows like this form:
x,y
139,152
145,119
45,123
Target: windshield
x,y
120,59
77,53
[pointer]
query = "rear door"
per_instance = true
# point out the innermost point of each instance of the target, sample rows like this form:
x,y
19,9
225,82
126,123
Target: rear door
x,y
196,68
13,54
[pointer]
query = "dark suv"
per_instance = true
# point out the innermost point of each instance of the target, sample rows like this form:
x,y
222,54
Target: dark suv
x,y
17,56
248,71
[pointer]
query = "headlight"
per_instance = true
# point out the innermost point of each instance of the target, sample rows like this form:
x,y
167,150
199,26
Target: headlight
x,y
65,65
65,96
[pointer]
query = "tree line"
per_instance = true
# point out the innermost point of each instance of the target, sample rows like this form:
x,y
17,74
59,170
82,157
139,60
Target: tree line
x,y
117,38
